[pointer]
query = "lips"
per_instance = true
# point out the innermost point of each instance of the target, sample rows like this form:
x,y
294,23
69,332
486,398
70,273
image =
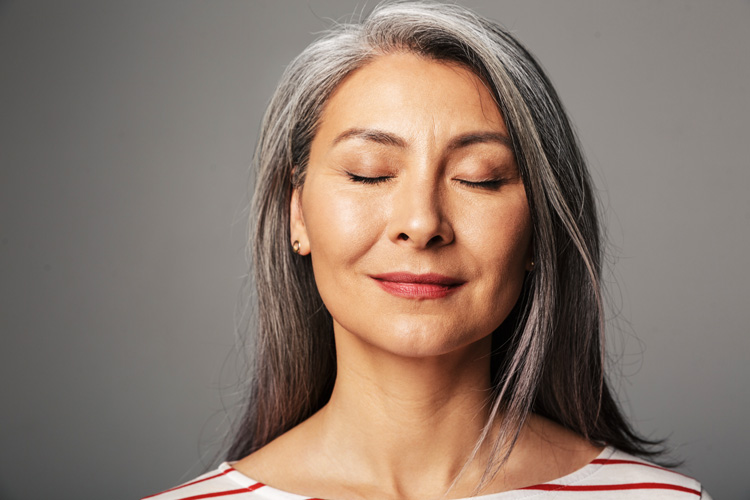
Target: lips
x,y
417,286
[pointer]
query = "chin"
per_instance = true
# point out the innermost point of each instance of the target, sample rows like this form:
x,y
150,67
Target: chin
x,y
422,340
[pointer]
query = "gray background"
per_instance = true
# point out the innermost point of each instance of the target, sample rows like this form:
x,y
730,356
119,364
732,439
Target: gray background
x,y
126,131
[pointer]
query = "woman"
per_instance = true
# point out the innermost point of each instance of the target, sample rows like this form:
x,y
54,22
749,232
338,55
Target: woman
x,y
427,263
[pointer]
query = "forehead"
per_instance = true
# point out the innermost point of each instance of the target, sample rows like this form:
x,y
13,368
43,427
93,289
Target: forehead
x,y
412,96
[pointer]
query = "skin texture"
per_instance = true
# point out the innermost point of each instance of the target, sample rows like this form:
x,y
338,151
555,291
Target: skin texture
x,y
411,171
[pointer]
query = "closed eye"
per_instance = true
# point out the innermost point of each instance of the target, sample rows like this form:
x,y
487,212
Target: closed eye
x,y
488,184
368,180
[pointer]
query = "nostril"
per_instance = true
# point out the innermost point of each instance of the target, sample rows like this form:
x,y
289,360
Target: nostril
x,y
435,240
403,236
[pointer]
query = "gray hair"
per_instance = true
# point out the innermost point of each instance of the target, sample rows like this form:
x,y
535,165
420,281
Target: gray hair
x,y
548,355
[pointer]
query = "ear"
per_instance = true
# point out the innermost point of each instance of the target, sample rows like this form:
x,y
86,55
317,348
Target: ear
x,y
297,228
530,264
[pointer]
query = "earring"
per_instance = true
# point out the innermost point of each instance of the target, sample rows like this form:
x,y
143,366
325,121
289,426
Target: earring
x,y
532,265
295,246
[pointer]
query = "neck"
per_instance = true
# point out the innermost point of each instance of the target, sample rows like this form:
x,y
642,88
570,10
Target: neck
x,y
406,420
403,428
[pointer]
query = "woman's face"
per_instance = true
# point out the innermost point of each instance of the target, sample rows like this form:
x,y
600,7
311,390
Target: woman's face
x,y
413,209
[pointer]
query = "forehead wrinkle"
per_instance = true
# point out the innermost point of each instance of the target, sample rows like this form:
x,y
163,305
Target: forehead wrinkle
x,y
433,133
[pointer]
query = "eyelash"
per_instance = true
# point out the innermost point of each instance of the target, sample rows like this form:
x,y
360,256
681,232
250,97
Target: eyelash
x,y
368,180
488,184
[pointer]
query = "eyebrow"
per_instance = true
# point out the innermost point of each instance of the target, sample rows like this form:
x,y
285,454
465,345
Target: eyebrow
x,y
373,135
388,139
478,138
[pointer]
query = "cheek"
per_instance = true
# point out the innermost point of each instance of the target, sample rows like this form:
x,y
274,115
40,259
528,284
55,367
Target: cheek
x,y
500,242
501,234
341,227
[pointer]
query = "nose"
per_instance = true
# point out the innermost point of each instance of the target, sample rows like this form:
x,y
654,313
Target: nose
x,y
418,218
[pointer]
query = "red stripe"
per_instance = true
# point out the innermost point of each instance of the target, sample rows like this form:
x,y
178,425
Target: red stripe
x,y
252,487
255,486
190,483
612,487
217,494
604,461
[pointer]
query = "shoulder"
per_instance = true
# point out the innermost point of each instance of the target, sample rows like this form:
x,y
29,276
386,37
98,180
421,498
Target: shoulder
x,y
220,482
619,475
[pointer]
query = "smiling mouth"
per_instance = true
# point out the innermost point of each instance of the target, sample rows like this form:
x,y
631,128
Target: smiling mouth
x,y
417,286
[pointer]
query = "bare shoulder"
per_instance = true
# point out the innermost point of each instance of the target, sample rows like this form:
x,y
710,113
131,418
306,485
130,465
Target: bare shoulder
x,y
569,455
276,459
289,463
551,437
547,451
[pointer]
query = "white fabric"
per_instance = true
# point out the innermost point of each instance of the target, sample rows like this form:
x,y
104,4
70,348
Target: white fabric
x,y
613,475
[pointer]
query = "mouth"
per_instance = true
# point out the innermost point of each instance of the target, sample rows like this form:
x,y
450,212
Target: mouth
x,y
418,286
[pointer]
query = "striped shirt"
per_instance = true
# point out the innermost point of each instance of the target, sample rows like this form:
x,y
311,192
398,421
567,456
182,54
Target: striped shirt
x,y
613,475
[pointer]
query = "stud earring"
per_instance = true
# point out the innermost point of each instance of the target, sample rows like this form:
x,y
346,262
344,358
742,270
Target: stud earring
x,y
295,246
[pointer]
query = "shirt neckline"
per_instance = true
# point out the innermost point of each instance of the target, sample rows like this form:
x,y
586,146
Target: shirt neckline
x,y
271,493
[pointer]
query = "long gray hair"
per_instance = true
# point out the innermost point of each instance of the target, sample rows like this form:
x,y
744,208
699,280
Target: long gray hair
x,y
548,354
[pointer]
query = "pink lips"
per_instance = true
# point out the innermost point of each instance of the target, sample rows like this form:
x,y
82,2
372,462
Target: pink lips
x,y
417,286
